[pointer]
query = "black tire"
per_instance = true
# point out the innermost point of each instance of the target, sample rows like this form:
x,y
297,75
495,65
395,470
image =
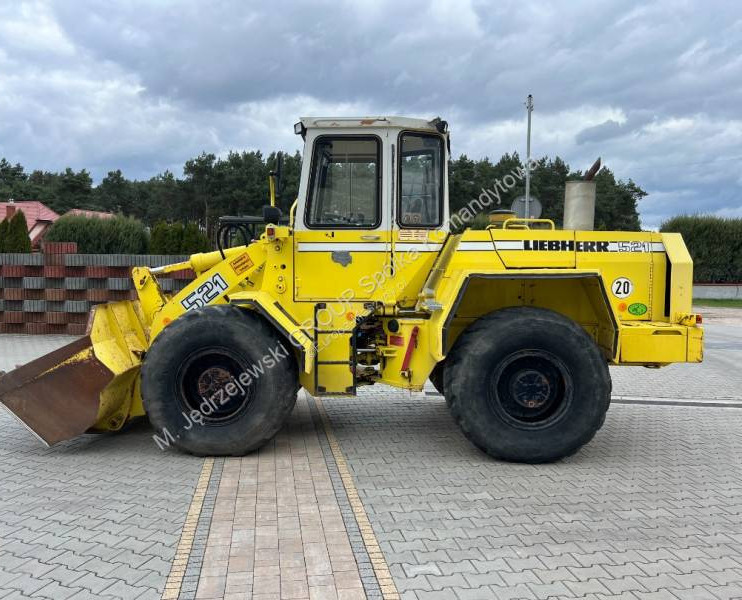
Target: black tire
x,y
527,385
436,377
199,356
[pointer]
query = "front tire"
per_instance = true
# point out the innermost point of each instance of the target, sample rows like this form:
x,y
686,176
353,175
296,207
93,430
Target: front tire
x,y
527,385
219,381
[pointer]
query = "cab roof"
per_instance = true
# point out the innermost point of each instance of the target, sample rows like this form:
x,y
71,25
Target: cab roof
x,y
436,124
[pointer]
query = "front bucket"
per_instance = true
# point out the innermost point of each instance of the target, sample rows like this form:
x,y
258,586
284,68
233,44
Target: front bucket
x,y
91,383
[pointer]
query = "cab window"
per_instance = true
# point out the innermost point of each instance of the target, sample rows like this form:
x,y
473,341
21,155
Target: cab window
x,y
420,180
345,182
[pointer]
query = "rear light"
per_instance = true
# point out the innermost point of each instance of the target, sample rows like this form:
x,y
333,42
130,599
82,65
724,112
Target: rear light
x,y
270,233
699,319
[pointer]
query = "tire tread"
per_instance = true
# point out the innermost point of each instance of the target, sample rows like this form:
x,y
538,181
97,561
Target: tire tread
x,y
456,372
286,393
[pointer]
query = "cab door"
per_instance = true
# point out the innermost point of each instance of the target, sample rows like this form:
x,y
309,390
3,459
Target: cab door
x,y
420,227
343,242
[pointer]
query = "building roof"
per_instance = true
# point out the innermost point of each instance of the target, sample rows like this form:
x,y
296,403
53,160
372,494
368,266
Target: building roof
x,y
98,214
38,217
35,211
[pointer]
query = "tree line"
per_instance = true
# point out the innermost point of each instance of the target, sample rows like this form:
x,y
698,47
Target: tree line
x,y
210,187
176,210
615,205
237,184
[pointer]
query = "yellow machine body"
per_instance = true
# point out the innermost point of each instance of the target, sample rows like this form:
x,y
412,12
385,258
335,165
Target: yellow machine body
x,y
383,304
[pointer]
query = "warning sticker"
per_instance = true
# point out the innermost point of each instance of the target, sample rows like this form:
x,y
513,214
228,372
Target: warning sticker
x,y
241,264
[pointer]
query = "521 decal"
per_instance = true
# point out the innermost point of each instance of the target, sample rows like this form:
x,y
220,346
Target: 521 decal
x,y
206,292
634,246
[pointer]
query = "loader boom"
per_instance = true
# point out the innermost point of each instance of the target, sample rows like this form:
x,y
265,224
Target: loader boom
x,y
216,277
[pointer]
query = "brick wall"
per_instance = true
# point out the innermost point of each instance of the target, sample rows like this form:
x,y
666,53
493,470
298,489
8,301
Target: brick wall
x,y
54,290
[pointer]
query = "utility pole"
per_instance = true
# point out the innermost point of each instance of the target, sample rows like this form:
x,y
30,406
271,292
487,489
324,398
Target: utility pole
x,y
529,108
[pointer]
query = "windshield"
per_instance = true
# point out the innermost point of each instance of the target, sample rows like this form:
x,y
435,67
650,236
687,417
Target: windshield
x,y
345,182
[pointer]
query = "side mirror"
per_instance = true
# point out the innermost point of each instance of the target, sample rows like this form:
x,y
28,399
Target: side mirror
x,y
271,214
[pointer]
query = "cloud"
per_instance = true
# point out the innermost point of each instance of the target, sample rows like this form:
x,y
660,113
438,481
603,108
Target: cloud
x,y
598,133
654,89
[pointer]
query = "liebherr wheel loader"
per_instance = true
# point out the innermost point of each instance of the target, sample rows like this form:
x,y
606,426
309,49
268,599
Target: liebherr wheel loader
x,y
515,325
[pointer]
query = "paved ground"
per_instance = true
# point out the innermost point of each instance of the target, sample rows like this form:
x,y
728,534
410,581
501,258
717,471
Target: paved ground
x,y
95,517
652,505
277,527
385,498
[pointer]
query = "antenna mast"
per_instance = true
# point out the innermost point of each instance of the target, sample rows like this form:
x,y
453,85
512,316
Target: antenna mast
x,y
529,108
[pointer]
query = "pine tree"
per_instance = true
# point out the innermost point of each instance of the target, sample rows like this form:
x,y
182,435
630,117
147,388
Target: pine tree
x,y
174,239
158,238
193,240
18,234
4,234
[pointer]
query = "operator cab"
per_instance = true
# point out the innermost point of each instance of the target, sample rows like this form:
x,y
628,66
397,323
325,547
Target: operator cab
x,y
374,188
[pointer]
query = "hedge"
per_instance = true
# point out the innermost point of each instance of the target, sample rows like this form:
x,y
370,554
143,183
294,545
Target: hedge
x,y
119,235
176,238
714,243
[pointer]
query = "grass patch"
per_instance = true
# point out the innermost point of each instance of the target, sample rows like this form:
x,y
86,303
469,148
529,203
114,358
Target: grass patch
x,y
731,303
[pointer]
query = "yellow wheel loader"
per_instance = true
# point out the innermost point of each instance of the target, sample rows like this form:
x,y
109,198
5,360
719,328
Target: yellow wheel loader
x,y
366,283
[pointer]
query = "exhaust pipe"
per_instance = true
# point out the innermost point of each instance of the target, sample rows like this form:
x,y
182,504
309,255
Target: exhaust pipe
x,y
579,201
579,205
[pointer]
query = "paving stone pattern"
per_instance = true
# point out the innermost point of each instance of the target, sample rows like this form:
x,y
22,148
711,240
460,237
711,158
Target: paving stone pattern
x,y
16,350
96,517
365,567
650,509
277,530
189,583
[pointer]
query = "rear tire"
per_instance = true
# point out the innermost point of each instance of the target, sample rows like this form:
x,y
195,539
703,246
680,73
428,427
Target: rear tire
x,y
527,385
220,381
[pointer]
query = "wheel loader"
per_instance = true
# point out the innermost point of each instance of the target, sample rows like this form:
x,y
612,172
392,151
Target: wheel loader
x,y
366,283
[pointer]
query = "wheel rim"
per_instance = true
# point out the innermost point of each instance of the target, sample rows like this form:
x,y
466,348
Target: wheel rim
x,y
204,383
531,389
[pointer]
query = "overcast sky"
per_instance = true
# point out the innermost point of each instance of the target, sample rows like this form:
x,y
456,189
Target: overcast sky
x,y
653,88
